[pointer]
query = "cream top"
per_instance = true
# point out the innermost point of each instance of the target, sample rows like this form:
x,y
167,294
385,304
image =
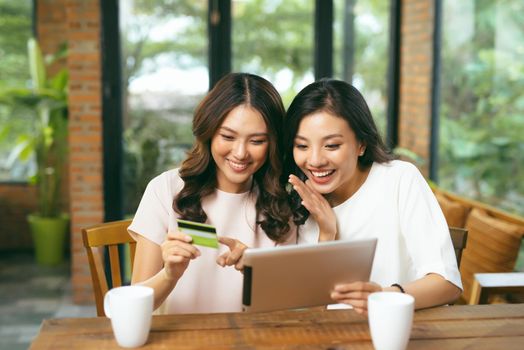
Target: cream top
x,y
396,205
205,286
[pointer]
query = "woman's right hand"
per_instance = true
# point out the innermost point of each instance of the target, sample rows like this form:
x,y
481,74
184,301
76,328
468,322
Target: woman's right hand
x,y
318,207
177,251
355,294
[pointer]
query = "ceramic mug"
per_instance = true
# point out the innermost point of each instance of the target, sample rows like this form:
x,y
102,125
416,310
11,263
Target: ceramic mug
x,y
390,317
130,309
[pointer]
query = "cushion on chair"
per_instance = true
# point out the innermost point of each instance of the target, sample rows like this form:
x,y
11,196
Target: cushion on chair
x,y
454,212
493,246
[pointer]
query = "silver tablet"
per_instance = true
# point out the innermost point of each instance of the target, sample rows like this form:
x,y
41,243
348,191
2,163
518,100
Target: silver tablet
x,y
303,275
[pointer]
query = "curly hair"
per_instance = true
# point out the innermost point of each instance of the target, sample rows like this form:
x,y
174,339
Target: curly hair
x,y
339,99
198,170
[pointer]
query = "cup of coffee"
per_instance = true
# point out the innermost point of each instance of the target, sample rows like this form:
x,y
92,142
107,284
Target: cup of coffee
x,y
130,309
390,317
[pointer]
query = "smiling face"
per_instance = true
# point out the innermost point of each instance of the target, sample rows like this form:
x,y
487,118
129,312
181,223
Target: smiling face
x,y
239,148
327,151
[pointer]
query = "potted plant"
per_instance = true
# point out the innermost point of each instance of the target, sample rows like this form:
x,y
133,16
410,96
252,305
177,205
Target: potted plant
x,y
46,100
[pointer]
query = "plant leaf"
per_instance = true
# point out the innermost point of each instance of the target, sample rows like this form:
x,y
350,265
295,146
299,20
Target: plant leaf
x,y
36,64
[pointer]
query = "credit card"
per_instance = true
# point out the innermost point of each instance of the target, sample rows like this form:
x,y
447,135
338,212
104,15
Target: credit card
x,y
202,234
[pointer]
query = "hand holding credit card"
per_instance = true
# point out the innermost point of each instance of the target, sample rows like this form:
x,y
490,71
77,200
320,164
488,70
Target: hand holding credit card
x,y
202,234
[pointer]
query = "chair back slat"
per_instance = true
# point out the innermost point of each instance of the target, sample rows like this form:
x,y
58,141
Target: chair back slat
x,y
132,250
114,262
100,271
459,237
95,238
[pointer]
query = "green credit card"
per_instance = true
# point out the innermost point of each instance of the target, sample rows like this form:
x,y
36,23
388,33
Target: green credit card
x,y
202,234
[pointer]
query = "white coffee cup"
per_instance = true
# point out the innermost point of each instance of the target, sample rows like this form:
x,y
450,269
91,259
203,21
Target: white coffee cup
x,y
130,309
390,316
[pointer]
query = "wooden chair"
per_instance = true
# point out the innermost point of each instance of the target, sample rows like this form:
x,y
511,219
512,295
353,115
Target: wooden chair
x,y
109,235
459,237
482,258
485,284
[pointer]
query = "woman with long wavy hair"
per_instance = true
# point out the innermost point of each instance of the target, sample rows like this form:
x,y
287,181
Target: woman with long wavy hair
x,y
230,179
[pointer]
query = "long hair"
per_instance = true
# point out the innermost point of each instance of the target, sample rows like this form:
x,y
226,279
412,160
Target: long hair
x,y
198,170
339,99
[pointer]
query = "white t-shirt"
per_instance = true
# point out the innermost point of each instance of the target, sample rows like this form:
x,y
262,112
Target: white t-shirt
x,y
205,286
396,205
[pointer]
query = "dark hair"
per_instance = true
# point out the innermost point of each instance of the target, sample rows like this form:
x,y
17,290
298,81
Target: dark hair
x,y
339,99
198,170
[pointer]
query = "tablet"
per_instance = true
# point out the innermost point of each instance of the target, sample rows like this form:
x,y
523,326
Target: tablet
x,y
303,275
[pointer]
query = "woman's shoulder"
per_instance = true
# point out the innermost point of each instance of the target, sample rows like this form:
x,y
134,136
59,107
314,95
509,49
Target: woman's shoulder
x,y
168,181
394,173
403,177
396,169
396,165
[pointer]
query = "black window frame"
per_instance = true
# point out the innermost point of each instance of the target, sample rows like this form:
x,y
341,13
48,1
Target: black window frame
x,y
435,92
112,139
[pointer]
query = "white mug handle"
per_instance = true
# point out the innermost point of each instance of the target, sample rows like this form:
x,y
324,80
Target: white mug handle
x,y
106,305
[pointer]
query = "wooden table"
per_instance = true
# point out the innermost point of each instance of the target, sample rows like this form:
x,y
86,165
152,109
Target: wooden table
x,y
448,327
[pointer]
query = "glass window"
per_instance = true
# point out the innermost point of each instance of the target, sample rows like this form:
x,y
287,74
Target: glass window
x,y
15,30
274,39
360,51
482,101
164,50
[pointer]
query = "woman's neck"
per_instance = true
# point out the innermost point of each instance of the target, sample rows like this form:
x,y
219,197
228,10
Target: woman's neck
x,y
235,188
347,190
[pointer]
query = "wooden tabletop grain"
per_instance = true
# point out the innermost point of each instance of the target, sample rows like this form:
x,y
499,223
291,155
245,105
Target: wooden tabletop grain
x,y
499,326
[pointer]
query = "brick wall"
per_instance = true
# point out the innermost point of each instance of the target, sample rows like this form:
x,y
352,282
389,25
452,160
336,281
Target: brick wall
x,y
51,29
415,77
85,134
16,202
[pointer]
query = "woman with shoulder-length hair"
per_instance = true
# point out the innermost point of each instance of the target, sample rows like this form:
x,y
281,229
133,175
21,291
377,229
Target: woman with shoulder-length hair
x,y
347,186
230,179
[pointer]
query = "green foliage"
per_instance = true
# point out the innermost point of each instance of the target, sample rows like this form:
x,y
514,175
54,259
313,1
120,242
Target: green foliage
x,y
409,155
153,144
186,46
155,138
44,104
15,29
482,110
370,56
269,36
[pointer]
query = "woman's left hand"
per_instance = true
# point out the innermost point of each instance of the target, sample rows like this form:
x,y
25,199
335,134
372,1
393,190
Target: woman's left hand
x,y
355,294
234,255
